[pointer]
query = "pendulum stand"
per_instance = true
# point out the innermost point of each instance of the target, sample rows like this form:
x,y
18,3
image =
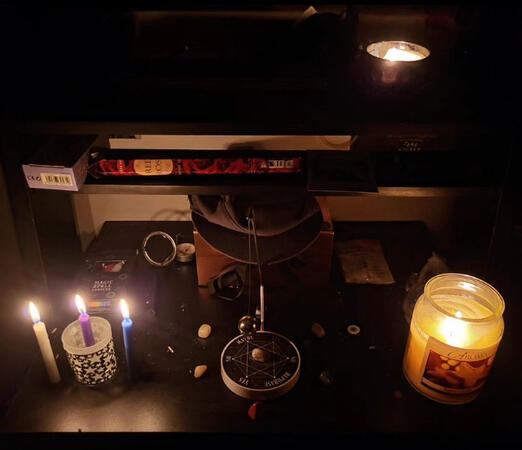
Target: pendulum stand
x,y
259,364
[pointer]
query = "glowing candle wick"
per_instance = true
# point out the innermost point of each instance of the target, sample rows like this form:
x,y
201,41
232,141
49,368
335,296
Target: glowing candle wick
x,y
85,322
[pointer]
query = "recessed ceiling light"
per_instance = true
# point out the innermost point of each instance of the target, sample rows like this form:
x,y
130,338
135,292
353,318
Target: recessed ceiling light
x,y
398,51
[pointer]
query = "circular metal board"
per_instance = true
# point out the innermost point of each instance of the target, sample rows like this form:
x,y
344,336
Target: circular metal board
x,y
257,380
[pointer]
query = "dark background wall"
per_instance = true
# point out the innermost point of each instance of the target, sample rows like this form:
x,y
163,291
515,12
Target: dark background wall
x,y
15,339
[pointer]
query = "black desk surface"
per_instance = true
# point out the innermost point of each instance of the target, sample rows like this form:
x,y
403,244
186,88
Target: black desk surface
x,y
369,393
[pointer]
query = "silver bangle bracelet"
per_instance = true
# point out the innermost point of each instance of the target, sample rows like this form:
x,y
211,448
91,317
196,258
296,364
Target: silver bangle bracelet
x,y
169,258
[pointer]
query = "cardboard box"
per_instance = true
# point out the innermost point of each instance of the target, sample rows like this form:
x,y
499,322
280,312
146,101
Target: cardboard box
x,y
230,142
60,163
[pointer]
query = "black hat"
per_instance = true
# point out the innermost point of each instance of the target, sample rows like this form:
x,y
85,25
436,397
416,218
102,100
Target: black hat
x,y
285,225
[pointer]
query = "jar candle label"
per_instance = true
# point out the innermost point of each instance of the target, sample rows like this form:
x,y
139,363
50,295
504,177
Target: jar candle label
x,y
453,370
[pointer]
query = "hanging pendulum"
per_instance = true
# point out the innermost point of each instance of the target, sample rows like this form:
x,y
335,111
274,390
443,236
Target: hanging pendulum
x,y
259,364
248,324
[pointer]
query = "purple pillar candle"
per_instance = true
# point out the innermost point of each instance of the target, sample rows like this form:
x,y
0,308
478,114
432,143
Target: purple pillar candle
x,y
85,322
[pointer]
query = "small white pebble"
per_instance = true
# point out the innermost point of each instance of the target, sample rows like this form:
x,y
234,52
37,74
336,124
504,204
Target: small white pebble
x,y
318,330
199,371
204,330
260,355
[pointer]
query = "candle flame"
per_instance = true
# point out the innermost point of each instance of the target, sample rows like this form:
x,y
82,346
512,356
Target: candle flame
x,y
33,310
399,54
124,309
80,304
455,331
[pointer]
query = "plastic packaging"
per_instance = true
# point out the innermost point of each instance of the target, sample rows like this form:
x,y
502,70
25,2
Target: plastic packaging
x,y
363,262
435,265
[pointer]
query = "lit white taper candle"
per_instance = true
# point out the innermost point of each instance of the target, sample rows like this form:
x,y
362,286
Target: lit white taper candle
x,y
45,346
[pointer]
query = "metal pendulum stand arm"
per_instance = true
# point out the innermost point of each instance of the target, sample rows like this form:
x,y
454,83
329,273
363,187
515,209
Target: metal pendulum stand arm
x,y
262,306
261,287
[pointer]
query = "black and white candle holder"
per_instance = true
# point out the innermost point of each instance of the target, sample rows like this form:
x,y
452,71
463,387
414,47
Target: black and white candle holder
x,y
93,365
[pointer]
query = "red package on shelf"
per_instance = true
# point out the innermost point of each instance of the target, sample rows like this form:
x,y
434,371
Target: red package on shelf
x,y
193,166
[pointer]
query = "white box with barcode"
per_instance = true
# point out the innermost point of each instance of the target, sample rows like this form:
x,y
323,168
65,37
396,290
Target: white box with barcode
x,y
46,172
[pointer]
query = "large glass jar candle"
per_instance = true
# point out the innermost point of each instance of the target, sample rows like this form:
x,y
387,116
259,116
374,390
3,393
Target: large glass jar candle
x,y
455,331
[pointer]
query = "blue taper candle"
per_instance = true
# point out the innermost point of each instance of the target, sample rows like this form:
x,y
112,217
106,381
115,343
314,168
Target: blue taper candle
x,y
126,325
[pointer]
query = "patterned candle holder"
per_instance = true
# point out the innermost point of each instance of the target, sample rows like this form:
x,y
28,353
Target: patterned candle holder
x,y
95,364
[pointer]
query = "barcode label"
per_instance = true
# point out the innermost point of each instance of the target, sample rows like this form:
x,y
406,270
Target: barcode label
x,y
56,179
